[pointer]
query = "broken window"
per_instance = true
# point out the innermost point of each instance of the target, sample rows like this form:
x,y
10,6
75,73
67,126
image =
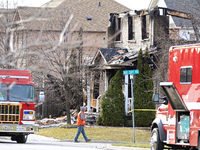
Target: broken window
x,y
118,28
131,33
192,37
96,85
20,40
145,29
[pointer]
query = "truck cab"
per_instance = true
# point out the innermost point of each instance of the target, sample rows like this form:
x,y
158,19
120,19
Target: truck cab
x,y
17,106
177,122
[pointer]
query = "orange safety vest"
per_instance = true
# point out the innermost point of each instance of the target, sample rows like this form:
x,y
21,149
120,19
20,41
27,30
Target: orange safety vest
x,y
79,121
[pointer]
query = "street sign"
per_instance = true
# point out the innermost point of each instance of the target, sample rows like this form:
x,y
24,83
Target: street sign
x,y
131,73
128,72
131,76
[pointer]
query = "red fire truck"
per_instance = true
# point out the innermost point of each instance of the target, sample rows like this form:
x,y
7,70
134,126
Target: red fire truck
x,y
17,106
177,121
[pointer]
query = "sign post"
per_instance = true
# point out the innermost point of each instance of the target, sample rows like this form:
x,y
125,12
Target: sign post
x,y
132,73
132,99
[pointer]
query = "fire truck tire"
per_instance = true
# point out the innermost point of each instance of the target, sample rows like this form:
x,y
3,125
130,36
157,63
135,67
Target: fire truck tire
x,y
198,143
156,143
21,138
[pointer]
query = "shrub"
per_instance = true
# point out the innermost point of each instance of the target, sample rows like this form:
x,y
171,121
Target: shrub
x,y
99,120
143,91
113,103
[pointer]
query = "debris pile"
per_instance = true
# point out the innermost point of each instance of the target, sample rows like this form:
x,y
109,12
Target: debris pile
x,y
62,120
48,121
54,122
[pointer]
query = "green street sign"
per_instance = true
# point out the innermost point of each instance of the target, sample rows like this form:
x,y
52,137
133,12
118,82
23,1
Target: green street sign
x,y
128,72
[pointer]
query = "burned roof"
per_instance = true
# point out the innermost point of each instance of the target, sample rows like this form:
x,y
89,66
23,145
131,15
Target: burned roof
x,y
111,54
187,6
117,57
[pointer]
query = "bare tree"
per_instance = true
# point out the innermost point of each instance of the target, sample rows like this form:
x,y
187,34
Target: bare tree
x,y
38,51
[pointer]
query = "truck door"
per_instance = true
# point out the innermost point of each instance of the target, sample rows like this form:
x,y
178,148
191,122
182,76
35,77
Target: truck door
x,y
182,112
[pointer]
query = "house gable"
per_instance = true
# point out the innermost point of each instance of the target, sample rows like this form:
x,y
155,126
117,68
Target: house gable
x,y
110,57
98,59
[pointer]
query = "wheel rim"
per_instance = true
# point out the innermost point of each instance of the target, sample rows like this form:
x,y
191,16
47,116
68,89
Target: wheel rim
x,y
153,142
26,136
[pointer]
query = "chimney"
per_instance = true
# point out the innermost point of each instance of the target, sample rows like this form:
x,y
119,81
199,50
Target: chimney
x,y
99,4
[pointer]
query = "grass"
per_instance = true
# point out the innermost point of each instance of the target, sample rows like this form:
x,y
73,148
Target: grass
x,y
132,145
103,134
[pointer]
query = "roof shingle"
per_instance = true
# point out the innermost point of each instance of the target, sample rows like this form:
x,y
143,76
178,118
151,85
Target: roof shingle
x,y
81,9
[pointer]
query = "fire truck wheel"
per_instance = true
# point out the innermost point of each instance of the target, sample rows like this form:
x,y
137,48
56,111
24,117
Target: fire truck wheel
x,y
21,138
198,143
156,143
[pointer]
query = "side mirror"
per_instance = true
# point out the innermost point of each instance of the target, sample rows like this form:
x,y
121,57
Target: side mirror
x,y
156,98
165,100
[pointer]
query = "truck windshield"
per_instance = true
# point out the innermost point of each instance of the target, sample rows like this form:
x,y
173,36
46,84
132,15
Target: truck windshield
x,y
3,92
22,93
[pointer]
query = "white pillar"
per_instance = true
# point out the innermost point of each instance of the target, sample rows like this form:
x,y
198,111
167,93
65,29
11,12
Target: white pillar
x,y
126,94
97,108
88,92
106,81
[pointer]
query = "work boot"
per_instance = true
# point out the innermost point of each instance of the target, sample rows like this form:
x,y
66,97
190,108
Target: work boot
x,y
76,141
88,140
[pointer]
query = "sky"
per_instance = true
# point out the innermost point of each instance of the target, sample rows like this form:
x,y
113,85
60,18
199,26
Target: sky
x,y
135,4
34,3
132,4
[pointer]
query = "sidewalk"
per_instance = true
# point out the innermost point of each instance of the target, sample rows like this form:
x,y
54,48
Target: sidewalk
x,y
110,147
126,148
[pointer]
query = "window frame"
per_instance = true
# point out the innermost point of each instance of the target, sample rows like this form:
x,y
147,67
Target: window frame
x,y
186,67
26,89
118,29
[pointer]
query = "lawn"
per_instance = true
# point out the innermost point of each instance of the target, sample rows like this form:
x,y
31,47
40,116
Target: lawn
x,y
102,133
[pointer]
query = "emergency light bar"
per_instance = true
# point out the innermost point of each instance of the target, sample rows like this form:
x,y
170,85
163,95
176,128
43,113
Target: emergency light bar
x,y
17,77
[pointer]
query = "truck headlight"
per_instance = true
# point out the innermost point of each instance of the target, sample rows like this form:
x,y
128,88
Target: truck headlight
x,y
28,115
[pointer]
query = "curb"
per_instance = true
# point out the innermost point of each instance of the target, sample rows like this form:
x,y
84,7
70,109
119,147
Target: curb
x,y
94,141
126,148
110,147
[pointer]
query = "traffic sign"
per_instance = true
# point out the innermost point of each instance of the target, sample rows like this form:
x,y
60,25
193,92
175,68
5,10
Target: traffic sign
x,y
128,72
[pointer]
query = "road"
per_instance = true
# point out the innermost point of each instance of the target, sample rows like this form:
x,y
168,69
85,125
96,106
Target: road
x,y
36,142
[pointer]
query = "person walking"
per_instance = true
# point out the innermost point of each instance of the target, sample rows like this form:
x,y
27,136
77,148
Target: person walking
x,y
81,122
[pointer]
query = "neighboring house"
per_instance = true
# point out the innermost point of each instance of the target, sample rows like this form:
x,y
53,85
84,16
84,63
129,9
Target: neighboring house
x,y
128,33
37,25
180,28
89,15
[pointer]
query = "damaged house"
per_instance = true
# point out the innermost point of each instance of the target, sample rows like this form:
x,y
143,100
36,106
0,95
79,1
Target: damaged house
x,y
183,21
128,32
